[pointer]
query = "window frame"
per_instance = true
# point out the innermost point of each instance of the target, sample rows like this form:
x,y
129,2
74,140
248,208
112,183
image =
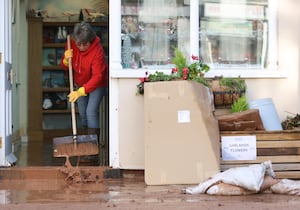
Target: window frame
x,y
271,71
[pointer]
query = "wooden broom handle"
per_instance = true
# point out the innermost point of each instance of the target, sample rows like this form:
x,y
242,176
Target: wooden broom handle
x,y
73,115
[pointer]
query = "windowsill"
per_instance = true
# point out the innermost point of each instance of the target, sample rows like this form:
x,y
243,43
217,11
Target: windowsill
x,y
259,74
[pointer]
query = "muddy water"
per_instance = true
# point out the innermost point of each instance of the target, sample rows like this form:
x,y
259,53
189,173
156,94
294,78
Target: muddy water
x,y
49,191
128,193
26,188
51,184
34,186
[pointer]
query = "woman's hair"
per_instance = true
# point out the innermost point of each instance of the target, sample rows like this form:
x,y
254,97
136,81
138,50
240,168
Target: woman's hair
x,y
83,33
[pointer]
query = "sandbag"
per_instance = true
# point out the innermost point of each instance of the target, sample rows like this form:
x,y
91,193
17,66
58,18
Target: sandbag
x,y
249,177
286,186
228,189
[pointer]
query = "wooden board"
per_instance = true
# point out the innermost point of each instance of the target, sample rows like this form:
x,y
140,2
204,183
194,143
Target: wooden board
x,y
281,147
241,121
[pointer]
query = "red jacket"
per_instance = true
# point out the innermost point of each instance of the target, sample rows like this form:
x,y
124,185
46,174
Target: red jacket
x,y
89,67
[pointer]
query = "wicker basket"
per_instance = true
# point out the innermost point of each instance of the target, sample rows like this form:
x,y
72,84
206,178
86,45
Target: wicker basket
x,y
223,96
226,98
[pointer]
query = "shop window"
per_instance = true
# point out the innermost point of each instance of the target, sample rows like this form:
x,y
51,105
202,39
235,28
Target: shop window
x,y
233,34
151,30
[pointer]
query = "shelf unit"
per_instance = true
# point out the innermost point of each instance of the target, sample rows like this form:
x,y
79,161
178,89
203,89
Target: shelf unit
x,y
35,117
47,80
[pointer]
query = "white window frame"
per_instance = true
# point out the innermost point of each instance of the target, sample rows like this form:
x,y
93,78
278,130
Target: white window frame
x,y
271,71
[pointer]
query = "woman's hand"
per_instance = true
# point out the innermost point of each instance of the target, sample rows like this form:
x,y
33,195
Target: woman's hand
x,y
74,95
68,54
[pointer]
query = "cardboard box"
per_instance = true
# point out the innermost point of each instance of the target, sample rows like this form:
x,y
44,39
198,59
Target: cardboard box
x,y
181,133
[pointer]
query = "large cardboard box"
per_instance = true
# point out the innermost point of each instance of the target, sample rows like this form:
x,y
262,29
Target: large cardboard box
x,y
181,133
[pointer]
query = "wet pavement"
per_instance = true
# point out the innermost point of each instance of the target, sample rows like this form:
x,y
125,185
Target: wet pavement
x,y
29,187
128,192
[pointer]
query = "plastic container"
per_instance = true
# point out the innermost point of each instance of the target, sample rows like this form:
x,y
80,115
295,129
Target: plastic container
x,y
267,112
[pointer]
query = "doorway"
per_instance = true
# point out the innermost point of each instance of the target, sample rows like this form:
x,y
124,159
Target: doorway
x,y
43,43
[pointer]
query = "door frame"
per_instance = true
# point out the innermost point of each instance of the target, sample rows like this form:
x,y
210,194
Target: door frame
x,y
7,158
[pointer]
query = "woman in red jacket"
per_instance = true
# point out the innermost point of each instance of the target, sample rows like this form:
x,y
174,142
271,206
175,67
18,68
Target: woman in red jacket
x,y
90,74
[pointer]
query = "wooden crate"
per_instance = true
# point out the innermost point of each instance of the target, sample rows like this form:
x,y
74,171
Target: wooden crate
x,y
281,147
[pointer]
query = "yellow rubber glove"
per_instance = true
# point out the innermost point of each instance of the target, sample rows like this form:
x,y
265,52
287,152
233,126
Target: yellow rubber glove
x,y
68,54
74,95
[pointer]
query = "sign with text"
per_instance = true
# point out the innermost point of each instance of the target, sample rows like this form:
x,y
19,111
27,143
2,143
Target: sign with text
x,y
239,147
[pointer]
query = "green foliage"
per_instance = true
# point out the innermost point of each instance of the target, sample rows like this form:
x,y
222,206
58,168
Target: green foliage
x,y
159,76
183,71
203,81
291,122
240,105
180,61
195,70
234,84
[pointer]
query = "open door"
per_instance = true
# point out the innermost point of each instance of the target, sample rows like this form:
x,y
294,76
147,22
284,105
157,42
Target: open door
x,y
7,158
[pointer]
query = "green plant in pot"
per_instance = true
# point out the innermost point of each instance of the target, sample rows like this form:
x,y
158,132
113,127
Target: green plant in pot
x,y
185,71
182,71
227,90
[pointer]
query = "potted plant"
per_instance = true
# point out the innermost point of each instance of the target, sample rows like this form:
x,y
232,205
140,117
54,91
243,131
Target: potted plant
x,y
193,71
227,90
182,71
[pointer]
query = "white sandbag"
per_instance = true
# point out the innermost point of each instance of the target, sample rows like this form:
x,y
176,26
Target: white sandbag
x,y
249,178
286,186
228,189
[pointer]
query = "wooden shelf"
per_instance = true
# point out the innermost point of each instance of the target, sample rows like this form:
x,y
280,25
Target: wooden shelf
x,y
54,45
54,24
51,90
58,111
52,68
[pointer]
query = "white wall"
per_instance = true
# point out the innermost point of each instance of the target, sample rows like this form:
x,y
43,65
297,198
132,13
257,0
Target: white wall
x,y
283,91
131,125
